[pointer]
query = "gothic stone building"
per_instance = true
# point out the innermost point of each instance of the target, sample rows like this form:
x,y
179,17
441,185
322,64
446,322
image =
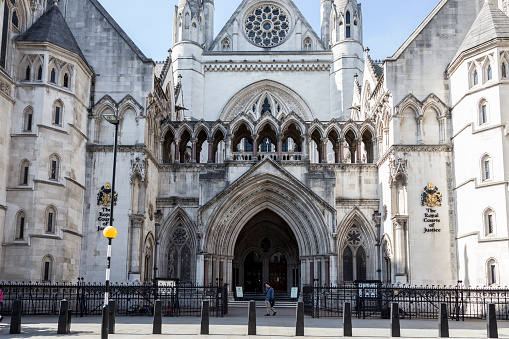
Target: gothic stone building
x,y
265,152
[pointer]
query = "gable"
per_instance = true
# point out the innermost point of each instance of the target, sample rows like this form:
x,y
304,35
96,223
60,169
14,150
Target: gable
x,y
259,25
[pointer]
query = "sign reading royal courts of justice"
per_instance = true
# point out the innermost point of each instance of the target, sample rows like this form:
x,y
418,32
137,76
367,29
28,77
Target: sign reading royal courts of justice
x,y
104,201
431,198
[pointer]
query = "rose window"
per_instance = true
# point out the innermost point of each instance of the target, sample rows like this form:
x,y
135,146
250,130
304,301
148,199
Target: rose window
x,y
267,25
179,236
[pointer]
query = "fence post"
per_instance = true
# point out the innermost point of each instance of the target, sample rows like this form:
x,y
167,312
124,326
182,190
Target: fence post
x,y
157,325
205,317
251,326
16,317
395,329
113,310
443,322
347,320
492,322
299,330
64,325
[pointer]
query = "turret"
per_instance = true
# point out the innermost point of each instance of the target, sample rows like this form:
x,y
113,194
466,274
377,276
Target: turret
x,y
208,13
325,13
188,23
346,46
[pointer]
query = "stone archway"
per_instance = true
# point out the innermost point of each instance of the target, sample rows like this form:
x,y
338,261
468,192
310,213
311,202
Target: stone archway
x,y
266,250
268,187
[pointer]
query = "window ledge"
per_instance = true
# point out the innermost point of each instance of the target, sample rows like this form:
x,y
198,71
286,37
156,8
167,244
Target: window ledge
x,y
49,182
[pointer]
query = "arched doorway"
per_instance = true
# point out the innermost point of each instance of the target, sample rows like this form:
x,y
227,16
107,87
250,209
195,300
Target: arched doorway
x,y
266,250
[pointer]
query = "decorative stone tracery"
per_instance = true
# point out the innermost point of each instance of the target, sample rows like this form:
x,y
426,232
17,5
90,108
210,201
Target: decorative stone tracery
x,y
267,25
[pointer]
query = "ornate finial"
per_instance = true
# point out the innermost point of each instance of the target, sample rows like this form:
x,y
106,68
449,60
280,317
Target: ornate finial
x,y
431,186
367,50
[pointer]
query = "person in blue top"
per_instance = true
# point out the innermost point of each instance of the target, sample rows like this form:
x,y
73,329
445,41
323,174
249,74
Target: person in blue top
x,y
269,299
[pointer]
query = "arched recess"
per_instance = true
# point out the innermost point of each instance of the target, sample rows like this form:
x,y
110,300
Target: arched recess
x,y
356,246
288,99
148,258
230,211
177,254
387,259
431,126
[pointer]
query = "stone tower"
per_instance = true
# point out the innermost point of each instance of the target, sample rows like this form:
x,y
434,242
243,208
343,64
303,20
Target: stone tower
x,y
347,49
325,15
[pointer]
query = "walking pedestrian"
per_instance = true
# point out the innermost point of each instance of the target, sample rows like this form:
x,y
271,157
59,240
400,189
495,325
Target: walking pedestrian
x,y
1,301
269,299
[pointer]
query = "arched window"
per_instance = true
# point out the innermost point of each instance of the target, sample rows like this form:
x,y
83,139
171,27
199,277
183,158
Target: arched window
x,y
185,266
489,72
489,222
57,113
20,226
24,172
180,258
28,117
47,269
308,44
27,73
348,28
5,36
504,70
51,217
348,264
66,80
53,76
483,112
492,272
486,168
476,78
225,44
360,259
39,73
15,20
54,163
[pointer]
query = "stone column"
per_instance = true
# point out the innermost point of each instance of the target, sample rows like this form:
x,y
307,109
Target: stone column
x,y
358,151
419,130
211,151
200,270
324,150
377,218
193,150
228,155
305,146
279,146
304,271
375,149
177,151
255,146
341,150
336,154
136,246
206,271
229,273
380,147
333,266
400,250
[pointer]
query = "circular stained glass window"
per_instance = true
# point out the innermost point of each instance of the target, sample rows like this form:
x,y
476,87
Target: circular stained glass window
x,y
267,25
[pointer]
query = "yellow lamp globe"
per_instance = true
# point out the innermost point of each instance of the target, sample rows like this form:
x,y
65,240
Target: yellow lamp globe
x,y
110,232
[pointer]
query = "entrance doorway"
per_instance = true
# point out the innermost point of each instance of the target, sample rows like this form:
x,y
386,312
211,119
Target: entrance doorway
x,y
266,251
253,266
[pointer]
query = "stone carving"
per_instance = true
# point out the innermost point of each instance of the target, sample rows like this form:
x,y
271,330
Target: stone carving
x,y
267,25
138,166
397,167
179,236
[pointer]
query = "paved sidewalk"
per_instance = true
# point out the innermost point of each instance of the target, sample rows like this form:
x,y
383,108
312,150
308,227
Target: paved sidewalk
x,y
235,326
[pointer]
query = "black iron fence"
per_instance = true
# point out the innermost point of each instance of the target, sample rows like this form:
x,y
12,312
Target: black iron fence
x,y
131,299
373,300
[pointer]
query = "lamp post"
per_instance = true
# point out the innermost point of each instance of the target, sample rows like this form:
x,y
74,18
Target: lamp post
x,y
110,232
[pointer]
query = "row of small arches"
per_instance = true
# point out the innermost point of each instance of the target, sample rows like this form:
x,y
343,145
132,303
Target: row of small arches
x,y
56,118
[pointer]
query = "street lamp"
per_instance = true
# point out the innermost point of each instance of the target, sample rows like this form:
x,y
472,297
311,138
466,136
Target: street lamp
x,y
110,232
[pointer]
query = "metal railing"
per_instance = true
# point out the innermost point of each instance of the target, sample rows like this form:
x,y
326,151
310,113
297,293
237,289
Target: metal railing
x,y
131,299
421,302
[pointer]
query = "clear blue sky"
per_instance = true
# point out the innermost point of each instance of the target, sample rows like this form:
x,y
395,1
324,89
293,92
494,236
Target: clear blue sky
x,y
387,24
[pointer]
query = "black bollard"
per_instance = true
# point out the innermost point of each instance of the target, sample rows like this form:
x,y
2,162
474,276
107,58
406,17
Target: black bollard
x,y
395,329
205,317
347,320
299,332
157,327
251,326
492,322
443,322
63,320
112,304
105,322
16,317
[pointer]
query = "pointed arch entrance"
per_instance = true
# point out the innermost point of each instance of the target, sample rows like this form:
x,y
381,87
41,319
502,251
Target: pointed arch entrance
x,y
266,250
268,189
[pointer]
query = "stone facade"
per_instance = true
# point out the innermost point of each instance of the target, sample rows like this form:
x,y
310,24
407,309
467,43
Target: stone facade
x,y
263,153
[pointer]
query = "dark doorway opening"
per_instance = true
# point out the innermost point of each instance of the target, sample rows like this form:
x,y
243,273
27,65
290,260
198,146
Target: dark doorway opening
x,y
253,266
